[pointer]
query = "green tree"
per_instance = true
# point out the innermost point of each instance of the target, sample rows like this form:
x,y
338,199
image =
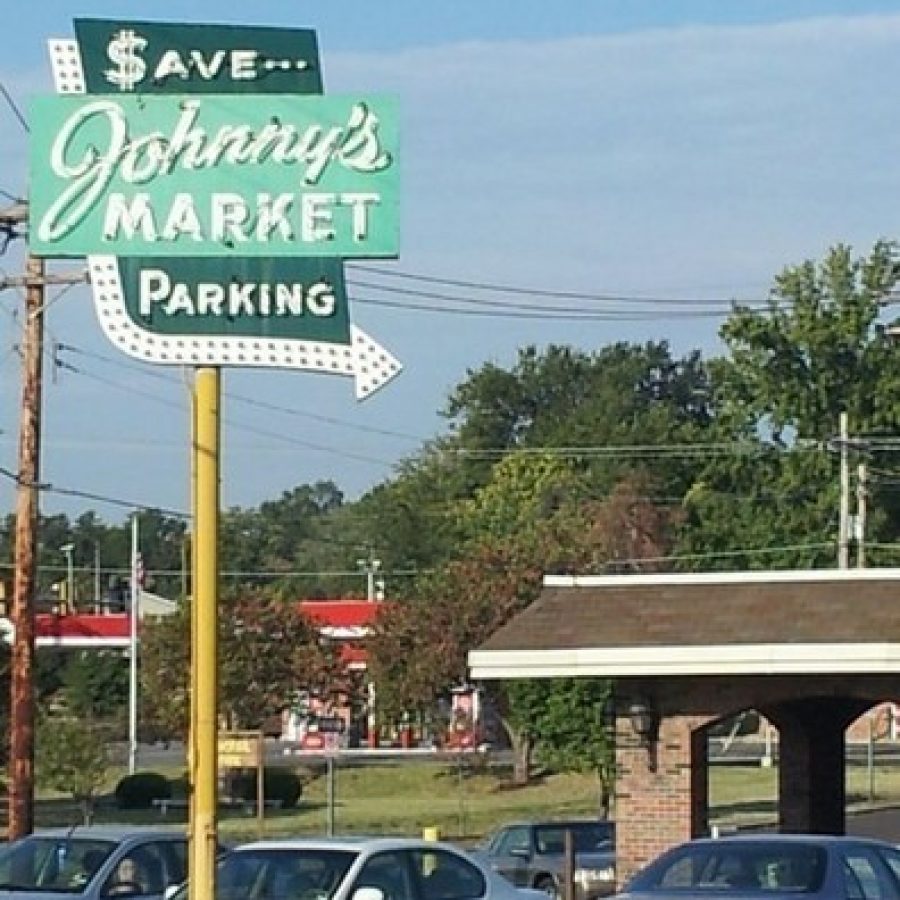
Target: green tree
x,y
819,348
95,683
71,756
571,728
419,648
268,653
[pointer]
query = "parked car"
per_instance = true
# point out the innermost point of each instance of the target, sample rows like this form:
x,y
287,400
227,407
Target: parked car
x,y
774,866
92,863
531,854
356,869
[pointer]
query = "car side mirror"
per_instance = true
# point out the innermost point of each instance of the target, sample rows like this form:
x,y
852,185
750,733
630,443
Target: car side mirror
x,y
368,893
519,852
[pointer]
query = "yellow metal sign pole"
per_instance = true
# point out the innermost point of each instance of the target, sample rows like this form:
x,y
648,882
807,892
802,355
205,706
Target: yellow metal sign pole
x,y
193,843
208,396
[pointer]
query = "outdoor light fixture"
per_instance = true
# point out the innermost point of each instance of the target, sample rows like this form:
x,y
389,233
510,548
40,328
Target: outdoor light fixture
x,y
645,723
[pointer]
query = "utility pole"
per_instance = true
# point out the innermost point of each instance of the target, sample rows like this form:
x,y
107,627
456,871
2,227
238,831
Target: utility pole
x,y
21,741
844,518
374,585
67,551
134,620
20,794
861,493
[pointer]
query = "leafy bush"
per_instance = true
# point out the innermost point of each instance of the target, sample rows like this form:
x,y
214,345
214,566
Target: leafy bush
x,y
138,791
281,785
72,757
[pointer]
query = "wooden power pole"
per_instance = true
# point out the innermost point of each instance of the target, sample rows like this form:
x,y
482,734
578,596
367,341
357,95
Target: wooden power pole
x,y
21,749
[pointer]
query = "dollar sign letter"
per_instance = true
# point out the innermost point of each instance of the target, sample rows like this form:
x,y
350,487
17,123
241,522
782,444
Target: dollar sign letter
x,y
124,50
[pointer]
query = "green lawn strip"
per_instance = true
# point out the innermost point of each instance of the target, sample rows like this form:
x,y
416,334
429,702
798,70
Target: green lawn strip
x,y
405,798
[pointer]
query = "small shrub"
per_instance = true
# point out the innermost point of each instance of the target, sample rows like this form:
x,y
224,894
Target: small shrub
x,y
138,791
280,785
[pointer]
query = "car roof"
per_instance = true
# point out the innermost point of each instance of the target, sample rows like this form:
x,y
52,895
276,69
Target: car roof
x,y
357,844
766,836
111,832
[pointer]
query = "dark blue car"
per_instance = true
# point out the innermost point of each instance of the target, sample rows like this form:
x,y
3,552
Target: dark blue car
x,y
772,866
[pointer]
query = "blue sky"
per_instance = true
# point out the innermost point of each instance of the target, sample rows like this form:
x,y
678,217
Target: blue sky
x,y
680,149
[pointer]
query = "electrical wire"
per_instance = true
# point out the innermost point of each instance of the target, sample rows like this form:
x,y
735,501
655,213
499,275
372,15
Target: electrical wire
x,y
251,401
528,291
455,298
14,107
240,426
586,316
49,488
720,554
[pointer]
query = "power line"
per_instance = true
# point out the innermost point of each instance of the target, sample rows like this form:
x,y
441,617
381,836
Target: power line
x,y
633,450
522,290
456,298
49,488
240,426
719,554
252,401
585,316
12,105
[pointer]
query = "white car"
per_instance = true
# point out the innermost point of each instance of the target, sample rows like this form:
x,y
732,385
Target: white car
x,y
357,869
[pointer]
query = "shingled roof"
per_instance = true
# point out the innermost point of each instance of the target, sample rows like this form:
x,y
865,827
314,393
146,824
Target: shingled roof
x,y
738,622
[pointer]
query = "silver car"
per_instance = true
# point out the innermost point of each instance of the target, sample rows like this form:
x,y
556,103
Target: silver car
x,y
92,864
356,869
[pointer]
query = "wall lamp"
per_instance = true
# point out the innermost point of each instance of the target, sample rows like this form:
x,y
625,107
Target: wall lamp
x,y
645,724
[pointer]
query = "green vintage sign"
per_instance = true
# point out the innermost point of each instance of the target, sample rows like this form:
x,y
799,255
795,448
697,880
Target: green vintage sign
x,y
214,175
272,298
178,58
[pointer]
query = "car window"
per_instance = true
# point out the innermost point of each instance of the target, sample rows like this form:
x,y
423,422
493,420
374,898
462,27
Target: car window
x,y
775,866
587,837
280,874
514,840
40,863
175,855
891,858
140,872
389,873
446,876
864,878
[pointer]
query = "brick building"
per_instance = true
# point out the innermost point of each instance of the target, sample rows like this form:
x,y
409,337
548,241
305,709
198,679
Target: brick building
x,y
811,651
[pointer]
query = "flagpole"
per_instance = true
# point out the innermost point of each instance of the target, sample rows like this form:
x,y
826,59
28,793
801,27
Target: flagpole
x,y
133,645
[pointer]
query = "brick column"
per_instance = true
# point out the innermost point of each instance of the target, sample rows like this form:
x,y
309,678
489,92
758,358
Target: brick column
x,y
661,795
811,769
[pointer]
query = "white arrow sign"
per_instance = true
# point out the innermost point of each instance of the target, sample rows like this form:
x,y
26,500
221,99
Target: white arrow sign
x,y
367,361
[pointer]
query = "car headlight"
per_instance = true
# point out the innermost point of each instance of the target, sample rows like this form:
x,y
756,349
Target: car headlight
x,y
585,877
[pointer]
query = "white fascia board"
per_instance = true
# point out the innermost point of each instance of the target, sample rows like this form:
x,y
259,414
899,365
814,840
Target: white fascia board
x,y
724,659
775,576
85,643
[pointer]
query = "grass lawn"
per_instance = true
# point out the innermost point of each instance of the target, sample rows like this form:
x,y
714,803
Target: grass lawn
x,y
405,797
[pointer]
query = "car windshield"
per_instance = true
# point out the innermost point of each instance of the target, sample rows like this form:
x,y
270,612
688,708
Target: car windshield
x,y
779,866
263,872
52,864
587,837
